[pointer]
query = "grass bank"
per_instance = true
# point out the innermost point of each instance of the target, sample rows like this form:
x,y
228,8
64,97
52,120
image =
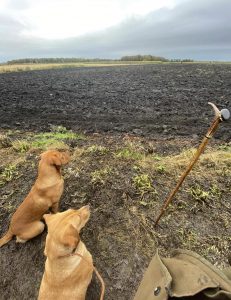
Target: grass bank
x,y
4,68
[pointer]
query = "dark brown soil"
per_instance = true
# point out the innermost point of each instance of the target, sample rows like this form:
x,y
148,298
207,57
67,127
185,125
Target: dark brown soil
x,y
169,99
164,109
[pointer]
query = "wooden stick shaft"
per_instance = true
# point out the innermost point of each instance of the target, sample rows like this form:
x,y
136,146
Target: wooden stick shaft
x,y
203,144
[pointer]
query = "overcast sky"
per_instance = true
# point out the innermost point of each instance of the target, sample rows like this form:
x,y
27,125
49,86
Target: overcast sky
x,y
197,29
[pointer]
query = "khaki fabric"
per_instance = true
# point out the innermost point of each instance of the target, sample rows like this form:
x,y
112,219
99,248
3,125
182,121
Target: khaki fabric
x,y
227,273
156,277
186,275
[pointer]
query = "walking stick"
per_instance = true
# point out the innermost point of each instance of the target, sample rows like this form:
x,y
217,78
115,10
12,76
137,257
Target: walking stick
x,y
220,116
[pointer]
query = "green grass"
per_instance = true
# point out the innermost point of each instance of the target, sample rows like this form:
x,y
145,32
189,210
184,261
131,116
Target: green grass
x,y
21,145
127,153
59,135
55,139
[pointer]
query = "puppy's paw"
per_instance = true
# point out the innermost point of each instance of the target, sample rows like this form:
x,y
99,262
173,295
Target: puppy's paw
x,y
18,240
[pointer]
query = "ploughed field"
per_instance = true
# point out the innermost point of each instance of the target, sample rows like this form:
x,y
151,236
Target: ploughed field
x,y
131,132
169,99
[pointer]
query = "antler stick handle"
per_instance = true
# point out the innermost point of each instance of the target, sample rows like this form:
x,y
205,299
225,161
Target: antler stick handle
x,y
222,115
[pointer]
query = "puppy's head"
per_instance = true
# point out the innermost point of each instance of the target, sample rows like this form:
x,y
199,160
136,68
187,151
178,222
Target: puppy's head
x,y
63,231
55,158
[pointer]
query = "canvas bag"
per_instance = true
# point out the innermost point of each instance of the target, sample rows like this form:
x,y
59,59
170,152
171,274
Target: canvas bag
x,y
186,275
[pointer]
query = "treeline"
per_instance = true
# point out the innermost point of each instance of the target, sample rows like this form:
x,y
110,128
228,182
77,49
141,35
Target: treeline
x,y
59,60
182,60
143,58
52,60
152,58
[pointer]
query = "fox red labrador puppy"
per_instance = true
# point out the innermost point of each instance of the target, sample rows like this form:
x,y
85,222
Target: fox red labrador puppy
x,y
44,195
66,275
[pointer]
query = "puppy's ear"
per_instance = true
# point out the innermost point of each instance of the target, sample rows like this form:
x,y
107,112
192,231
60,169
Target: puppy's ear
x,y
70,237
56,159
65,157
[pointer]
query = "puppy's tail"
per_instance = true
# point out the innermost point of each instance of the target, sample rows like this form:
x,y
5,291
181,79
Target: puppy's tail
x,y
6,238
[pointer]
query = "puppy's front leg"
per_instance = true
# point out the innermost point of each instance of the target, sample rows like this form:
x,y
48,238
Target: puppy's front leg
x,y
55,207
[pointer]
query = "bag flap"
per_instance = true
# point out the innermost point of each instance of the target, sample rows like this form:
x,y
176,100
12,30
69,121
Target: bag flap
x,y
155,283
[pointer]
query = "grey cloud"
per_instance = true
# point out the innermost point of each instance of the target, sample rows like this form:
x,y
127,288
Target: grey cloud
x,y
11,40
193,29
10,26
18,4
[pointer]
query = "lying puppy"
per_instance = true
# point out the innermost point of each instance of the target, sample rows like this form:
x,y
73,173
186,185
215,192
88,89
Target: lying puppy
x,y
66,276
46,192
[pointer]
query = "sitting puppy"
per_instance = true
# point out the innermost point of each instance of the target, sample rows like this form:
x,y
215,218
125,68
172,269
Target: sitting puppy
x,y
66,276
46,192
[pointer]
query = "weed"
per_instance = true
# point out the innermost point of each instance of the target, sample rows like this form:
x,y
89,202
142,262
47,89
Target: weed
x,y
143,183
8,174
225,219
99,150
157,157
181,204
100,176
223,171
4,141
21,145
188,237
161,169
136,168
212,250
225,147
215,191
128,154
144,203
198,193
